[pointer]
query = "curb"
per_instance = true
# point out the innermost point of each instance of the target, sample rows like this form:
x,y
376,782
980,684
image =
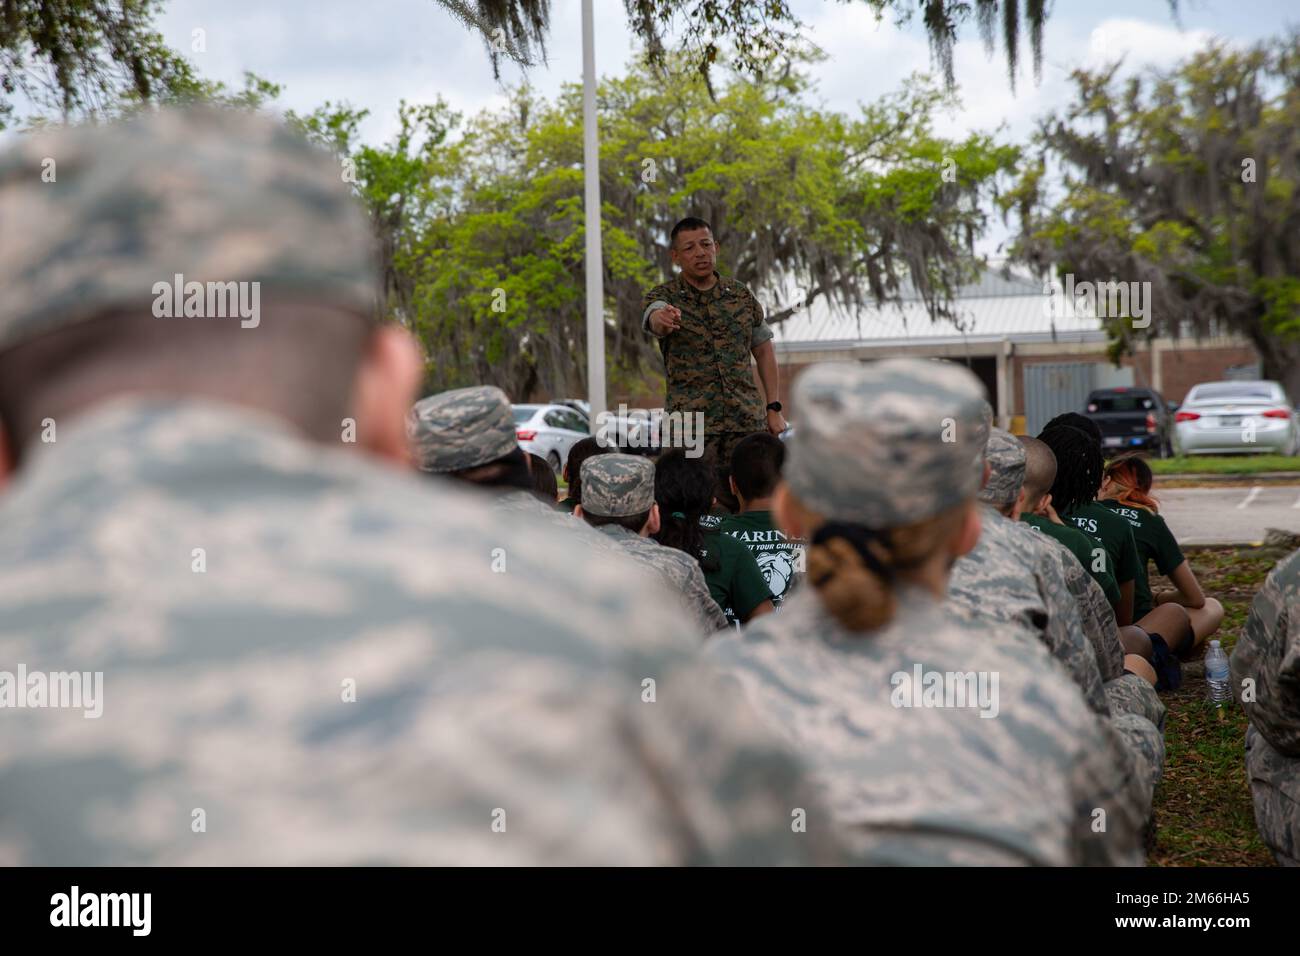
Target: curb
x,y
1264,477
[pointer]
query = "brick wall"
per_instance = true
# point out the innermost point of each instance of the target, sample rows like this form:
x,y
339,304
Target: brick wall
x,y
1183,368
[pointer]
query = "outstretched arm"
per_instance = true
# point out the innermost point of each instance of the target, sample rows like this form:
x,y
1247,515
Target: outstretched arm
x,y
765,356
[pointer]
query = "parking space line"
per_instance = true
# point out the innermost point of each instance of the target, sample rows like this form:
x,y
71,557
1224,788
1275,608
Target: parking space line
x,y
1297,503
1254,493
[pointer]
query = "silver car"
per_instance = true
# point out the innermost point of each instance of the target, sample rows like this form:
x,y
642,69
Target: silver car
x,y
549,431
1220,417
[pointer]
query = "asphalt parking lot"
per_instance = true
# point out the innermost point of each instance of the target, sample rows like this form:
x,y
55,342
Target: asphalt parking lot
x,y
1229,515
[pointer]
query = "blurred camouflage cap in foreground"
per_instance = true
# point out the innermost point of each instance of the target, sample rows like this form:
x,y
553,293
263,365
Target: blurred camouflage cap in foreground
x,y
463,428
886,443
94,217
1006,458
617,486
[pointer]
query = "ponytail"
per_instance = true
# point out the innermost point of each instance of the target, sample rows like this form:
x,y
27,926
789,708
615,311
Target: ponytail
x,y
849,567
854,568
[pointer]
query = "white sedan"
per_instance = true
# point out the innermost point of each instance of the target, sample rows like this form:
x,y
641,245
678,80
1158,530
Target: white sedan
x,y
1219,417
549,431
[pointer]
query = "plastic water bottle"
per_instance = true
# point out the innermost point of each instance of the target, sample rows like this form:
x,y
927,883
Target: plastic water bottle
x,y
1217,675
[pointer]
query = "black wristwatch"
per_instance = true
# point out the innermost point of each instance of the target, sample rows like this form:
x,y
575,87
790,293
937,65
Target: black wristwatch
x,y
773,406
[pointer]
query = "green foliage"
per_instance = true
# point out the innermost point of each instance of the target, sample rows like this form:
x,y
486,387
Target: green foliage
x,y
1187,180
80,57
483,230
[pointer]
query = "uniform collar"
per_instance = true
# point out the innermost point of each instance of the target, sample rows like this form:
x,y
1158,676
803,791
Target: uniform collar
x,y
687,287
122,439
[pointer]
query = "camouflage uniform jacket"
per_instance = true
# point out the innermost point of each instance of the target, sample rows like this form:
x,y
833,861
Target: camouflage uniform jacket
x,y
490,723
1016,577
1268,655
708,360
1012,577
680,572
931,785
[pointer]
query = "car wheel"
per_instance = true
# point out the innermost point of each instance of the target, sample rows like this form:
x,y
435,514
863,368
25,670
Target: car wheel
x,y
553,459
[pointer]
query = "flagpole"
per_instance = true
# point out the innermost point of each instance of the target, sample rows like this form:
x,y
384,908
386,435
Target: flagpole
x,y
595,265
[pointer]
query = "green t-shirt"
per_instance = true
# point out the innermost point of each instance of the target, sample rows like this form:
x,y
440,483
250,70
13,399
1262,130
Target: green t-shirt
x,y
1099,522
736,583
714,518
1081,546
779,558
1155,542
567,504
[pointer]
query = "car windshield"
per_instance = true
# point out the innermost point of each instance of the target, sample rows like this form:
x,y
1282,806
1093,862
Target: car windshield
x,y
523,413
1232,392
1122,402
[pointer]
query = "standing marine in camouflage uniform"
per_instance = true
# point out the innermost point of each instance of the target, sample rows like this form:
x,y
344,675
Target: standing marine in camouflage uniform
x,y
309,654
1022,774
1267,656
618,500
708,325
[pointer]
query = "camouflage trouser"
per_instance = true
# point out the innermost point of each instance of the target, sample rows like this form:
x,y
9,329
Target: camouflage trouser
x,y
1131,694
1275,789
1146,743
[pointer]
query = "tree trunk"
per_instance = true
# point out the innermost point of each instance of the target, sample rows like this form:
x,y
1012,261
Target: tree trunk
x,y
1280,362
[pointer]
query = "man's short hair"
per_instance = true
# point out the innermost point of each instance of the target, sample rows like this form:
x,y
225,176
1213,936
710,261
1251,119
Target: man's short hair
x,y
581,450
689,224
633,523
756,464
504,473
1040,470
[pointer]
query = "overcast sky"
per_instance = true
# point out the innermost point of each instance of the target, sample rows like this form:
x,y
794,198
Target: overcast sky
x,y
374,55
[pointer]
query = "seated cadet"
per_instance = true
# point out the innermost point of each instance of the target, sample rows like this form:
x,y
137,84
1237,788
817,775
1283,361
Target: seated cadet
x,y
1131,703
881,690
618,500
581,450
1073,500
1078,480
684,491
756,464
1266,682
1040,474
1126,489
469,434
1012,576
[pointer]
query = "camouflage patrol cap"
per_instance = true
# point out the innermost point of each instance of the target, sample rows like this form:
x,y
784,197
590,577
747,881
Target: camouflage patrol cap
x,y
1006,458
986,421
104,218
617,486
460,429
886,443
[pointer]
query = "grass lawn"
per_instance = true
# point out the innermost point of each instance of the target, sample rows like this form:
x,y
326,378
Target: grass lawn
x,y
1223,464
1204,815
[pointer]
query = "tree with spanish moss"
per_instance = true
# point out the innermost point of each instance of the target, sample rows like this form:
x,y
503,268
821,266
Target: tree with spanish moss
x,y
1188,179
